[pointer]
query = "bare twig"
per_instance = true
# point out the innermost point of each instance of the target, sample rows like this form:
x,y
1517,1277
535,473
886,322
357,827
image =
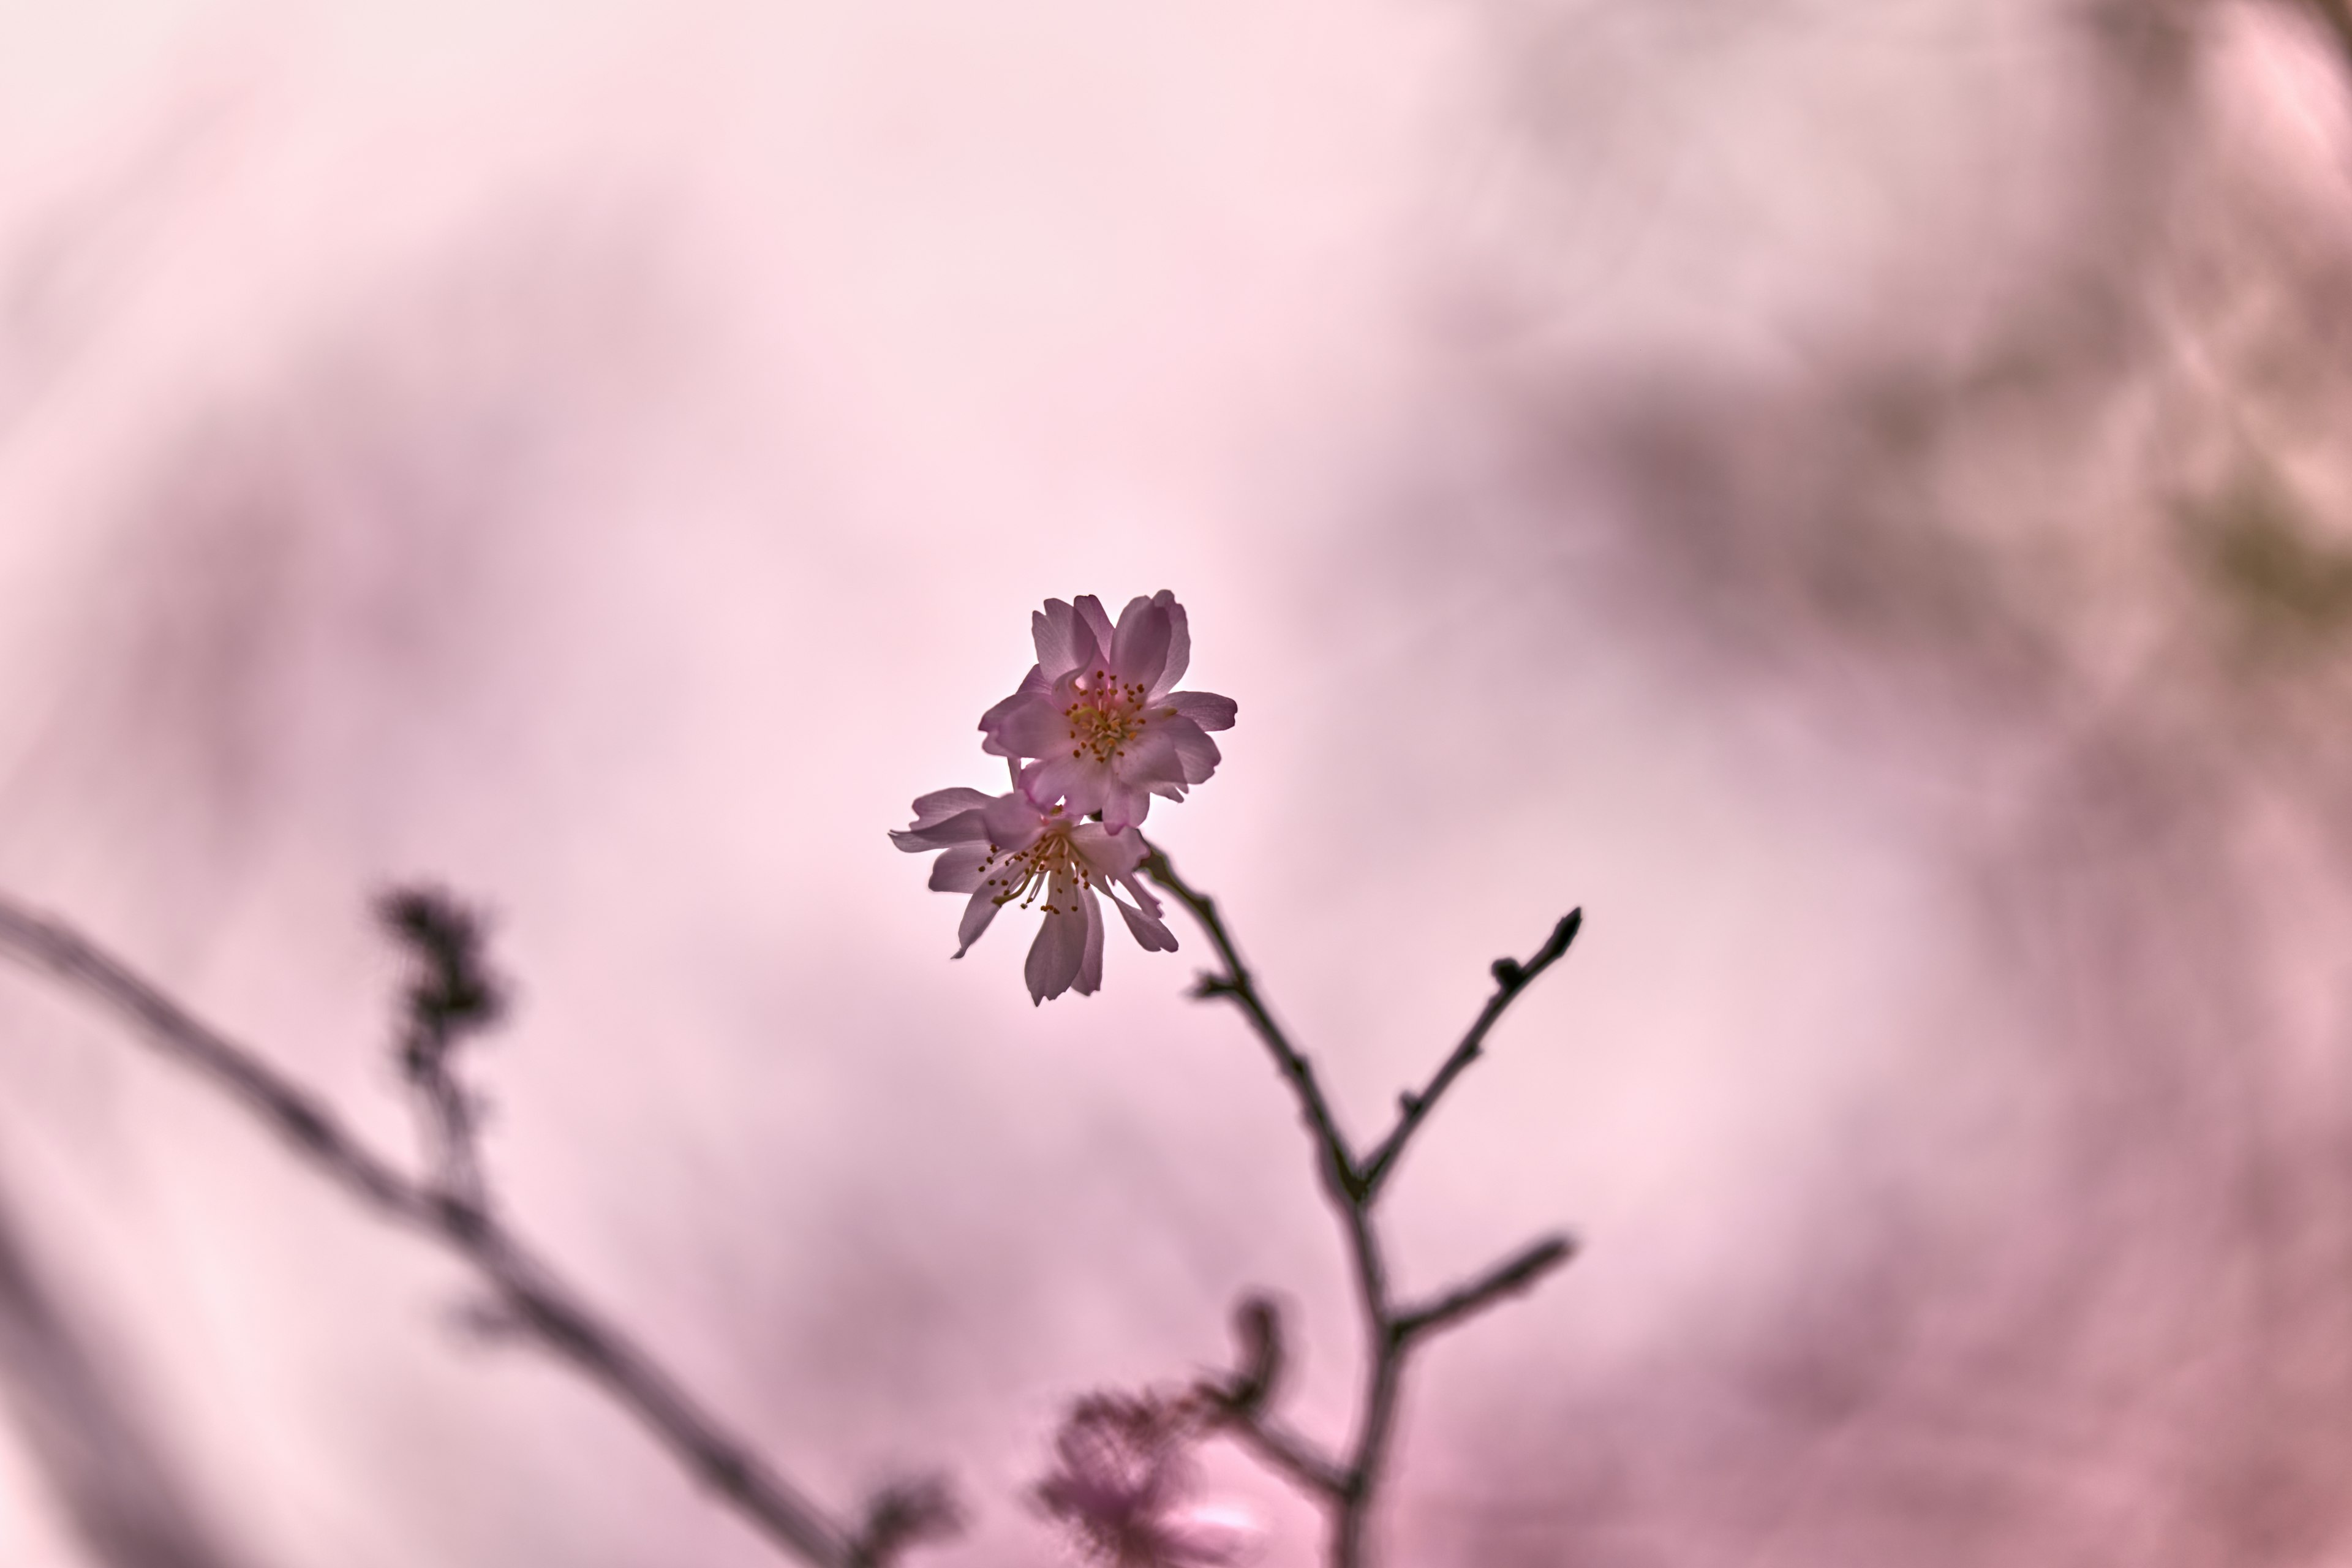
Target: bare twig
x,y
1287,1453
1520,1271
903,1514
1237,1403
1338,1164
531,1294
1345,1487
452,998
1511,977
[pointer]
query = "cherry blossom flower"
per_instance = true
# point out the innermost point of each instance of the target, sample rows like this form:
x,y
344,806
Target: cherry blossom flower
x,y
1007,847
1098,714
1124,1484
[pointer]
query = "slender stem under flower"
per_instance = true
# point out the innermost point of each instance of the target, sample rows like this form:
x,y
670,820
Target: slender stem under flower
x,y
1337,1166
1346,1488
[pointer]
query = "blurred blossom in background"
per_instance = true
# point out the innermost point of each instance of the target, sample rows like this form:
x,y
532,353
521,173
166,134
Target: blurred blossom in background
x,y
1855,493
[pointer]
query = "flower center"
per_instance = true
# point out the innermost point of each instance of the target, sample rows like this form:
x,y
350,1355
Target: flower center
x,y
1026,873
1105,717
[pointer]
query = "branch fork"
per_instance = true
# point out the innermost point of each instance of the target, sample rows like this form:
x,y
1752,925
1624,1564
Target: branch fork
x,y
1347,1486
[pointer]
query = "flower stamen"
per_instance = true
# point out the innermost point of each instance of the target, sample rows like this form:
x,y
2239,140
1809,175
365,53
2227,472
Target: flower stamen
x,y
1028,872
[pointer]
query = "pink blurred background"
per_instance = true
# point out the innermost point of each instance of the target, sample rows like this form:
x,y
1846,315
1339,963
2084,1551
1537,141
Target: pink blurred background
x,y
1852,494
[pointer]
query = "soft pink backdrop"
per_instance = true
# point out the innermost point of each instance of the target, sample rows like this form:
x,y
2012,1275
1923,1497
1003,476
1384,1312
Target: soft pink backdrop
x,y
1766,474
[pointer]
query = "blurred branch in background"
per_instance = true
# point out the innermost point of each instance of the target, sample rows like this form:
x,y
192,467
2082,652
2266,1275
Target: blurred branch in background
x,y
2337,17
451,995
2071,583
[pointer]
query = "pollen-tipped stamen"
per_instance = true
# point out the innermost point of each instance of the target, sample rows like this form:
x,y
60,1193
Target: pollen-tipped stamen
x,y
1028,872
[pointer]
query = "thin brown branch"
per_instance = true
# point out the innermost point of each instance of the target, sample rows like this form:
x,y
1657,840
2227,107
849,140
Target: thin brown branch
x,y
1346,1486
1286,1452
1235,985
528,1290
1511,977
1237,1402
1518,1272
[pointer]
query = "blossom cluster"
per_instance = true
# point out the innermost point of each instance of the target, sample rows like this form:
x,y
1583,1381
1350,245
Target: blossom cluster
x,y
1093,733
1123,1485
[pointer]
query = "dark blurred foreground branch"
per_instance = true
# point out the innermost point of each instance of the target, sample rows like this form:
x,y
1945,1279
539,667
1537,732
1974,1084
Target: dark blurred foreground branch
x,y
530,1296
1345,1485
116,1489
2336,15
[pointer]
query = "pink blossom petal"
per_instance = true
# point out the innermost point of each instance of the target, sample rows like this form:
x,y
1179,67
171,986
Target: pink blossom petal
x,y
976,915
1140,893
942,803
1028,725
1154,755
1138,651
959,870
1080,783
1033,684
1064,638
1205,709
964,828
1197,755
1151,933
1107,854
1089,980
1056,955
1124,805
1011,822
1179,644
1090,611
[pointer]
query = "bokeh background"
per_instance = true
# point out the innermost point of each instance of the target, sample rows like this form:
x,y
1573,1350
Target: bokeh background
x,y
1854,493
